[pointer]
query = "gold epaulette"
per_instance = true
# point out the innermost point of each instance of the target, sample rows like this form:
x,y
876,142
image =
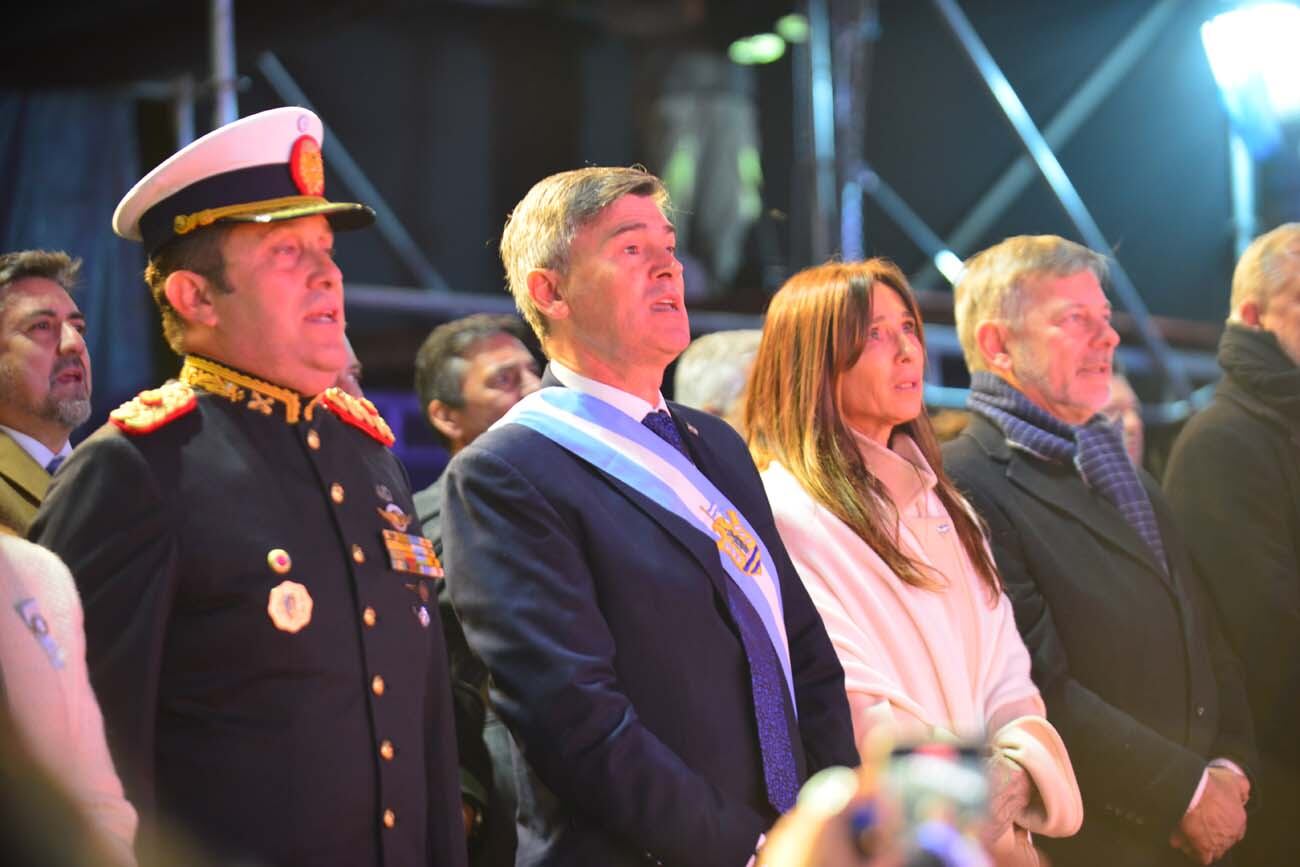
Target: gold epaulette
x,y
356,411
153,408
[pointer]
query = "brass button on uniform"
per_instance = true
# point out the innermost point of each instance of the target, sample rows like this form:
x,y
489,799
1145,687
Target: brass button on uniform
x,y
358,555
386,750
377,685
278,560
313,440
390,819
336,492
368,617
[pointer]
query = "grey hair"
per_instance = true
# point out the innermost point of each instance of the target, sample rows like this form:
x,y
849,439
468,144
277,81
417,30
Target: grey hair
x,y
711,374
1270,263
539,231
992,284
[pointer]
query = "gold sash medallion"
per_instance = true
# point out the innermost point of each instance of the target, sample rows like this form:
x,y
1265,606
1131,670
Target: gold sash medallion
x,y
735,540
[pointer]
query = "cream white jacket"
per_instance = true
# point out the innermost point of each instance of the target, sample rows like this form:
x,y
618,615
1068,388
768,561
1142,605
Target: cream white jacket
x,y
925,662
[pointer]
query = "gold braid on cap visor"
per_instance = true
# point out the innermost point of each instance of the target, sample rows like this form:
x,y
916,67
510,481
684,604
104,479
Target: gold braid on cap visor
x,y
183,224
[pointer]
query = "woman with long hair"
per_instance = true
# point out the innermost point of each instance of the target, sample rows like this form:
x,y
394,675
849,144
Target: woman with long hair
x,y
892,555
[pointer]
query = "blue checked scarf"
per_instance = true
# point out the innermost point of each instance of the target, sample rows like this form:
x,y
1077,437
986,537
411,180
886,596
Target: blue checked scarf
x,y
1095,449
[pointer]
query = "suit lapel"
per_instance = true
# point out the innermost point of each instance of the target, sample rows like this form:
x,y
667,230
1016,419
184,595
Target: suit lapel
x,y
21,470
687,535
1060,488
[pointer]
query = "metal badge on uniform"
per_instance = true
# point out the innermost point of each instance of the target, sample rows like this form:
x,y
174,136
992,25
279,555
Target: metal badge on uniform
x,y
40,628
396,518
422,615
424,589
289,606
383,493
408,552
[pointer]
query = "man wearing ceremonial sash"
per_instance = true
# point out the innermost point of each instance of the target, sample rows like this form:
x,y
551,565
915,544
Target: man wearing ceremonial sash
x,y
615,563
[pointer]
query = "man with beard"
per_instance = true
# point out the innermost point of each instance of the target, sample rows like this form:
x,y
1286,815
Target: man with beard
x,y
1125,648
44,376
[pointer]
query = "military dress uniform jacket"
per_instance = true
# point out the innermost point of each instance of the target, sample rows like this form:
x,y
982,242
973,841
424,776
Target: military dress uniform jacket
x,y
1129,659
268,681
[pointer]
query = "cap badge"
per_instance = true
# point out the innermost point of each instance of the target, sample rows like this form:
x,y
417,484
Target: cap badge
x,y
307,167
289,606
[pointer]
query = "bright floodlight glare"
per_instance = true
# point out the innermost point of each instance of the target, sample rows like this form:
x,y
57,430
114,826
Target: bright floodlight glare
x,y
1254,48
949,265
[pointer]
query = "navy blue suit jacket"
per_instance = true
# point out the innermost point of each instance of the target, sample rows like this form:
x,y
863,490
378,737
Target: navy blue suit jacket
x,y
603,620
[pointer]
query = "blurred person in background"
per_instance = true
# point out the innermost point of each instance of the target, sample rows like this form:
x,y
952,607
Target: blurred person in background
x,y
47,690
712,372
468,372
1125,410
44,376
891,553
349,378
1233,482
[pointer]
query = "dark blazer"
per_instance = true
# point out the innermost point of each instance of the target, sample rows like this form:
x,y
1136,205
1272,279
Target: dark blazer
x,y
483,744
23,484
1135,674
1233,482
603,620
265,744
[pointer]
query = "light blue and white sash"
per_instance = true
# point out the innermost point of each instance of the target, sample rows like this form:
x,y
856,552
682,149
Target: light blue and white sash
x,y
613,442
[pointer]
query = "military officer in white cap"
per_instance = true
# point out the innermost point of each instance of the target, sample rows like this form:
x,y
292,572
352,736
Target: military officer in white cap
x,y
257,606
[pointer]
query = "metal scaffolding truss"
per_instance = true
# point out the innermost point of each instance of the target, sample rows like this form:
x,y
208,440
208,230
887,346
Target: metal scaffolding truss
x,y
843,176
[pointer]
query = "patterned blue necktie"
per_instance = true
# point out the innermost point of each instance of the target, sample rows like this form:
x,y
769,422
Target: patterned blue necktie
x,y
54,463
766,679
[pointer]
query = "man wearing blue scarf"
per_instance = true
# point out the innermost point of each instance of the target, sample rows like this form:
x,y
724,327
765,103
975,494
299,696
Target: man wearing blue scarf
x,y
615,564
1130,662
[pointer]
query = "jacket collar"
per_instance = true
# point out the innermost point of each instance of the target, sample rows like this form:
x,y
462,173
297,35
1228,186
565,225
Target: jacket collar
x,y
1060,487
21,469
242,388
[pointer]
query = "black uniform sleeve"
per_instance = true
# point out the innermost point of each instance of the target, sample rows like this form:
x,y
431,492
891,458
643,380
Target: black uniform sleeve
x,y
105,515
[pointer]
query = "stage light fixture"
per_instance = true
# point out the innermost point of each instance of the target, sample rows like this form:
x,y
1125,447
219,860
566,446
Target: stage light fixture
x,y
757,49
1252,53
793,28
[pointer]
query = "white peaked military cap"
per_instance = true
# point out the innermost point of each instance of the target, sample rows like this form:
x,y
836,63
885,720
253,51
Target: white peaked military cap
x,y
258,169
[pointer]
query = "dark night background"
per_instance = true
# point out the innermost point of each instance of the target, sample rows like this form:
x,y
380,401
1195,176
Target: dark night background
x,y
453,109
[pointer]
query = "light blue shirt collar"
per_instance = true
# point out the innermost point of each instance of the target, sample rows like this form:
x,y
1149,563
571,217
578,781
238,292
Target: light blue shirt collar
x,y
35,448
